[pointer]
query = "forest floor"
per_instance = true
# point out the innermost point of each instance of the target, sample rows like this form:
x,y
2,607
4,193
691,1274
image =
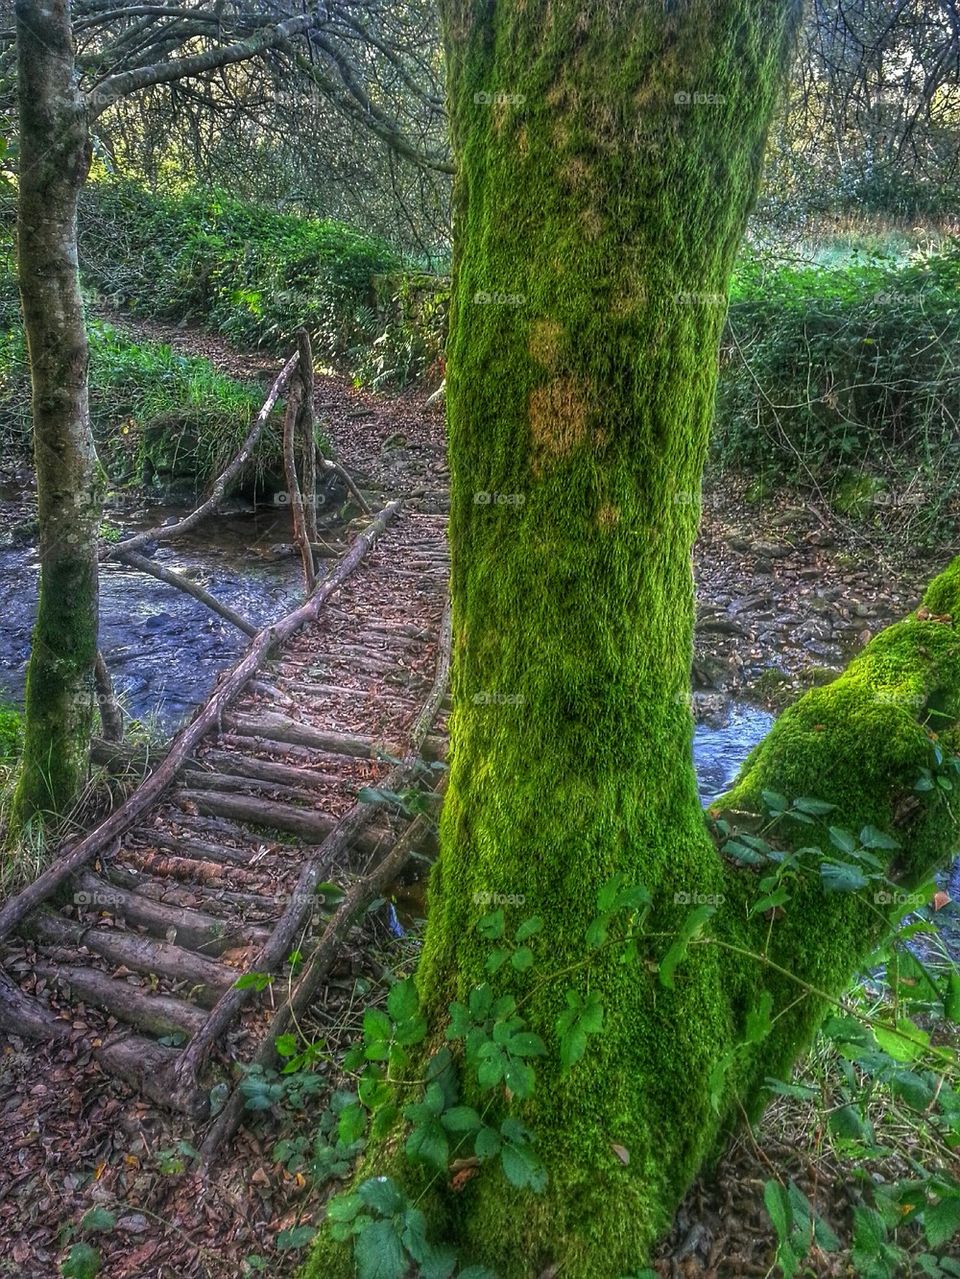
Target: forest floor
x,y
786,593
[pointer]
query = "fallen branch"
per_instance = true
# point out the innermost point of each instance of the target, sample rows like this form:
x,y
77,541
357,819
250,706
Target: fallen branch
x,y
164,532
144,565
308,441
183,745
329,465
291,418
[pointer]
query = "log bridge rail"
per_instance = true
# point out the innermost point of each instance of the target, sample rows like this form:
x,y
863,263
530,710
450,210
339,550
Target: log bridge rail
x,y
210,868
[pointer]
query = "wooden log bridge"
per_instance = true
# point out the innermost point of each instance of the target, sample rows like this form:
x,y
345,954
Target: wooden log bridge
x,y
210,869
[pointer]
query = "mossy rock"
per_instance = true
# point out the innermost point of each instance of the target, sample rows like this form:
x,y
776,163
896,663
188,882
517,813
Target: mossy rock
x,y
856,495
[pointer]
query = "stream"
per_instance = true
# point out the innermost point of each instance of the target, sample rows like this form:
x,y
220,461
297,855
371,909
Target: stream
x,y
164,649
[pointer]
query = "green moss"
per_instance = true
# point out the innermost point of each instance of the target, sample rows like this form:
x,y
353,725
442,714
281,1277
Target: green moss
x,y
59,696
597,223
859,743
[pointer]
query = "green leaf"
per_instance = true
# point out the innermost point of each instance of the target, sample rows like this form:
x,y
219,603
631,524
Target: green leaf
x,y
941,1221
951,1000
461,1119
427,1143
842,877
770,902
487,1143
496,960
402,1001
777,1206
295,1237
529,928
904,1043
379,1252
813,807
286,1045
83,1262
843,840
742,853
522,959
775,802
492,926
870,837
519,1078
252,981
691,927
848,1123
98,1219
527,1044
596,933
523,1169
382,1195
803,1092
352,1124
759,1024
377,1027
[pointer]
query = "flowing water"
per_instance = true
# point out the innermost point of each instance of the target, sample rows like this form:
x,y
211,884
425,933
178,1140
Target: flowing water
x,y
164,649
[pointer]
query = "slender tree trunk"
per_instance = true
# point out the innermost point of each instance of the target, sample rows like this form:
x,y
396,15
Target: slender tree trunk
x,y
54,159
608,156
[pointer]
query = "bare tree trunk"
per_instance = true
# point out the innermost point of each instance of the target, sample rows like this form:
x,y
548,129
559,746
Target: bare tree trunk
x,y
54,159
111,716
308,441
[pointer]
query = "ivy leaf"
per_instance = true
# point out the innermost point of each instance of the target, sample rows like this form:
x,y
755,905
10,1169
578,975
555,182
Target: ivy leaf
x,y
496,960
522,959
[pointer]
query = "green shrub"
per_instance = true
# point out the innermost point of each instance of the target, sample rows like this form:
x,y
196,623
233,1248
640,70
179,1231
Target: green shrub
x,y
11,732
855,367
253,274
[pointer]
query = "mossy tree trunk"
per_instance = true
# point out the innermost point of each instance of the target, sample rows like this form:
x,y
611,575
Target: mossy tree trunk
x,y
608,158
54,158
